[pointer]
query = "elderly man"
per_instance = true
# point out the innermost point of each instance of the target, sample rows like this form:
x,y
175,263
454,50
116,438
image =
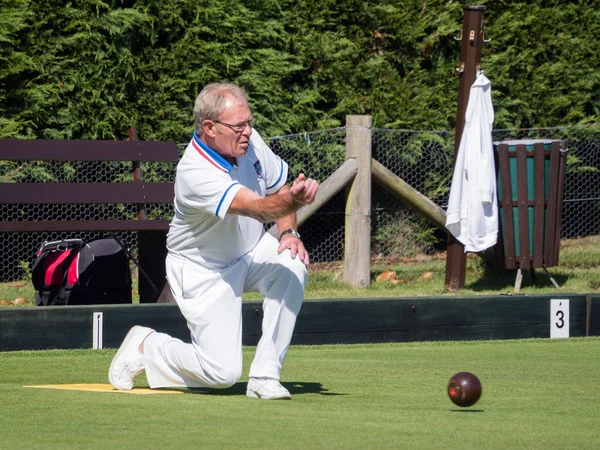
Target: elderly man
x,y
228,184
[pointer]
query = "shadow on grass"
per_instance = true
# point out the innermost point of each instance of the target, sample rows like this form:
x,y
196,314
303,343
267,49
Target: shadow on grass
x,y
467,410
301,387
503,280
295,388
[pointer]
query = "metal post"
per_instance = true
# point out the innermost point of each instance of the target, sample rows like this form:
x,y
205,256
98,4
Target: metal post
x,y
472,41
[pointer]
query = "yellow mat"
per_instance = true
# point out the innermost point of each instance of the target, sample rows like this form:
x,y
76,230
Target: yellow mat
x,y
98,387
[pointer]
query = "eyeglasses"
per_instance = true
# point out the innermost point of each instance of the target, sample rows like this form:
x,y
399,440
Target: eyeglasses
x,y
239,127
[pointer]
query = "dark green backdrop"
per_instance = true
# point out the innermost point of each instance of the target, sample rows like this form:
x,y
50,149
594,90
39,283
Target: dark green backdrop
x,y
90,69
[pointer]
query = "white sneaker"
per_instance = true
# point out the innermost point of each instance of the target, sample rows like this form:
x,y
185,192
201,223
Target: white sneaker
x,y
267,389
128,361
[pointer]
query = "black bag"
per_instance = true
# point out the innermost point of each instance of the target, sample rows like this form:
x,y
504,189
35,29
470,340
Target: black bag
x,y
76,272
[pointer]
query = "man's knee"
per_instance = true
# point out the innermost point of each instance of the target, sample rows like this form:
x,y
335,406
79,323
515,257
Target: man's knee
x,y
298,270
227,377
218,374
295,284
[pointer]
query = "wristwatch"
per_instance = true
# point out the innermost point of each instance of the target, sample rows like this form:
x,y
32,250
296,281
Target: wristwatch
x,y
290,231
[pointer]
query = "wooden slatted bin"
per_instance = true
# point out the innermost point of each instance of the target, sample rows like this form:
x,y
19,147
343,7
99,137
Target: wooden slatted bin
x,y
531,180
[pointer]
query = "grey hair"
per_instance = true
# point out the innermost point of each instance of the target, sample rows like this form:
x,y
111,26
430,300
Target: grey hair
x,y
210,103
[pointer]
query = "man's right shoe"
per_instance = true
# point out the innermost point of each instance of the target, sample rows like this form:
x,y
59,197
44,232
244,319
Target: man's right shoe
x,y
128,362
267,389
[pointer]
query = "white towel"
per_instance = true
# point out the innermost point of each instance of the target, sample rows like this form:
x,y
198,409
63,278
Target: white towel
x,y
472,215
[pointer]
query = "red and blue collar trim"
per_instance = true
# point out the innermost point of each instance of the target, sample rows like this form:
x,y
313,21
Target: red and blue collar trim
x,y
210,155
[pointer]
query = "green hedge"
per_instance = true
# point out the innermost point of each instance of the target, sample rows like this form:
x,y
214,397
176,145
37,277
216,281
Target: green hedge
x,y
89,69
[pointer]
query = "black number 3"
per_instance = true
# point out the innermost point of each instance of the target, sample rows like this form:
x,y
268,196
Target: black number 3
x,y
561,322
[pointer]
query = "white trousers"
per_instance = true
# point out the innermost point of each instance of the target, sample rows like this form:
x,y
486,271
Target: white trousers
x,y
211,302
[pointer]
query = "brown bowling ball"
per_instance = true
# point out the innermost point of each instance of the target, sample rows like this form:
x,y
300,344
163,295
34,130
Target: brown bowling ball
x,y
464,389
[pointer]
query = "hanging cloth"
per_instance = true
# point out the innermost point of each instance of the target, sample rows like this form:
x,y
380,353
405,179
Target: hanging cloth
x,y
472,215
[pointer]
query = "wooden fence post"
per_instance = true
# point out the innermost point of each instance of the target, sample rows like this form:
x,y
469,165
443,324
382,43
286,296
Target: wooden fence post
x,y
471,43
357,245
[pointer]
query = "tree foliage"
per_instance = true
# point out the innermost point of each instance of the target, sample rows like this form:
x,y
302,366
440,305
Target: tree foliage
x,y
90,69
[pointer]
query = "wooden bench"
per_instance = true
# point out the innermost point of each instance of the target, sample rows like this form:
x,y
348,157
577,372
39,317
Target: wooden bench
x,y
151,233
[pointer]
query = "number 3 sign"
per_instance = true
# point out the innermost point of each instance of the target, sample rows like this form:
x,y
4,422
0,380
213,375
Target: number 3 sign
x,y
559,318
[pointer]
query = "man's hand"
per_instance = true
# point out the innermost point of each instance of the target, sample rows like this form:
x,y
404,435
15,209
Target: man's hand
x,y
296,247
304,190
280,204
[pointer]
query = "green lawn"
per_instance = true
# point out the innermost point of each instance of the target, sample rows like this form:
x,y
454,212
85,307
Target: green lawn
x,y
537,394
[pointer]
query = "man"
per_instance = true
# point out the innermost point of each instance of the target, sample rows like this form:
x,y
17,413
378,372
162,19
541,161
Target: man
x,y
228,183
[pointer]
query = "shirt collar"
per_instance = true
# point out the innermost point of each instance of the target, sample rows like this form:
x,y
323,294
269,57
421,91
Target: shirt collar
x,y
210,155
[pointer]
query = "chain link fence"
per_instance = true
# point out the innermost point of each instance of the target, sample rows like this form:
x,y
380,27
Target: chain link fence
x,y
318,155
423,159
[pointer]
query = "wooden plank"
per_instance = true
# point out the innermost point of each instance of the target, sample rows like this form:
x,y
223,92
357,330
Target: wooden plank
x,y
85,193
331,186
408,195
524,258
357,237
84,225
562,165
335,183
551,218
136,172
333,321
71,326
76,150
532,154
508,229
538,207
495,255
529,203
593,316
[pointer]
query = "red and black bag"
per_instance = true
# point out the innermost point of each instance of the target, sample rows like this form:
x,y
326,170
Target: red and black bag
x,y
76,272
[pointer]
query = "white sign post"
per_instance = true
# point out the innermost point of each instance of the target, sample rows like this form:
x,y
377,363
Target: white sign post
x,y
97,327
559,318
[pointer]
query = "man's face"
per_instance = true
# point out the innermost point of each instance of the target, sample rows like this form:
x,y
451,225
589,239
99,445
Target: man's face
x,y
232,130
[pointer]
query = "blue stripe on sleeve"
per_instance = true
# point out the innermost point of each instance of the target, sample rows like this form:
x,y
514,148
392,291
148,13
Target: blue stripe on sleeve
x,y
280,174
223,198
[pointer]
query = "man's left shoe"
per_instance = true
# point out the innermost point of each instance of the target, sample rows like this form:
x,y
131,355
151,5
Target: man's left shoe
x,y
128,361
267,389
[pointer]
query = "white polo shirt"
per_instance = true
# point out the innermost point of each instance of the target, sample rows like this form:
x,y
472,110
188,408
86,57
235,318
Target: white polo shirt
x,y
205,185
